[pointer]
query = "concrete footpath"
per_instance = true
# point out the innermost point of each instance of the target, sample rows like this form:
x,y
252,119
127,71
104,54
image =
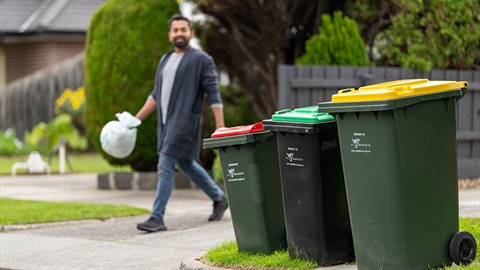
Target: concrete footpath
x,y
116,243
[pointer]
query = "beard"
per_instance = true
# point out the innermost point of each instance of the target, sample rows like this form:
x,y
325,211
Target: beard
x,y
180,43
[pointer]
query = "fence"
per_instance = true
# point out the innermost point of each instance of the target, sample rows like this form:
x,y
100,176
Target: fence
x,y
301,86
31,100
26,102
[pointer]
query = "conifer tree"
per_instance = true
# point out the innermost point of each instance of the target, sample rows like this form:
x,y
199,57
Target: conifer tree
x,y
337,43
125,41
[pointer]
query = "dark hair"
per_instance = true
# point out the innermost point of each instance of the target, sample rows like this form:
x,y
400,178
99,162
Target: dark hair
x,y
178,17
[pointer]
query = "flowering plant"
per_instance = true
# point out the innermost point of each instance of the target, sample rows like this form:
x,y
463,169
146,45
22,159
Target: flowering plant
x,y
49,134
71,102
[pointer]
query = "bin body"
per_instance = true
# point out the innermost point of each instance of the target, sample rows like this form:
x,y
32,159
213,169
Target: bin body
x,y
252,182
400,167
315,203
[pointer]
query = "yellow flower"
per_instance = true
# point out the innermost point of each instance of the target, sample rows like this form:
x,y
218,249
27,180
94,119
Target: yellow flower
x,y
77,98
70,101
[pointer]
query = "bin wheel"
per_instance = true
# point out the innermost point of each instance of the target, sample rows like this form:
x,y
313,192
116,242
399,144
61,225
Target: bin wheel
x,y
463,248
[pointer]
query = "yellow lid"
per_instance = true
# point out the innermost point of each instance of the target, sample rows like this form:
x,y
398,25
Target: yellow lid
x,y
396,89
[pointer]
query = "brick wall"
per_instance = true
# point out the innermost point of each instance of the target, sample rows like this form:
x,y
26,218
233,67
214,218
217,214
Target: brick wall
x,y
26,58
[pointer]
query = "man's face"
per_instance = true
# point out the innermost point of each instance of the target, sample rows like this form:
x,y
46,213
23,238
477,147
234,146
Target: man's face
x,y
180,34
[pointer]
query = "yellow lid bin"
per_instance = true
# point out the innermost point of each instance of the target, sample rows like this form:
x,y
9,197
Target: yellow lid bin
x,y
396,90
398,148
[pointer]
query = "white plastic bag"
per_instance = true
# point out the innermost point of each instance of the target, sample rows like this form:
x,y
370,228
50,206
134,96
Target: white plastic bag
x,y
118,137
128,120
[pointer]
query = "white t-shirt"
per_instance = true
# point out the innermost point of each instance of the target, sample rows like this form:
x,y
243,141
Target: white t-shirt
x,y
168,78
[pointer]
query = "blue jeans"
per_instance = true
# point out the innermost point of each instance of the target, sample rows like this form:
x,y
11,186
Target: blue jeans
x,y
166,181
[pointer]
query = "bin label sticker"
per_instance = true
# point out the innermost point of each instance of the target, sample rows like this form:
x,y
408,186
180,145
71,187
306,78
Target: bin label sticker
x,y
291,159
327,145
234,176
359,146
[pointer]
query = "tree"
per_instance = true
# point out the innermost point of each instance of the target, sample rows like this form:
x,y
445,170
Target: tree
x,y
126,38
372,17
249,39
422,34
337,43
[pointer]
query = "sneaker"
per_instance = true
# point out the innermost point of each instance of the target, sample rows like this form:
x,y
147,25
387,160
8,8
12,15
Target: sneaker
x,y
152,225
219,208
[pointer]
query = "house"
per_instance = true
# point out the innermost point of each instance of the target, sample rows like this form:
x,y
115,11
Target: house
x,y
36,34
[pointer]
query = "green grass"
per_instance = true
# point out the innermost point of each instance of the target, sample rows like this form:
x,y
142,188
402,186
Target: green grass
x,y
30,212
81,163
226,254
472,225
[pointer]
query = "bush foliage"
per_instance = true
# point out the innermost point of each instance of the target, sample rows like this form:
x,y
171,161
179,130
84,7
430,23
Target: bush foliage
x,y
47,136
10,144
126,38
432,34
337,43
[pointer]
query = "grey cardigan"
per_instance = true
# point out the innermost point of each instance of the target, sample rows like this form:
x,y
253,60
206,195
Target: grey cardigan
x,y
196,76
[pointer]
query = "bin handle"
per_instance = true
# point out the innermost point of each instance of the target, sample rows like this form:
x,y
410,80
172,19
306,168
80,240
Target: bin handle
x,y
346,90
403,90
283,111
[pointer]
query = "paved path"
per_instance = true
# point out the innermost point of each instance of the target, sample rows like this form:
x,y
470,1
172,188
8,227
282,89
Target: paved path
x,y
116,243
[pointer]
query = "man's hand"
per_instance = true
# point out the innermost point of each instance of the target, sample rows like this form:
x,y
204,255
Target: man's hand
x,y
128,120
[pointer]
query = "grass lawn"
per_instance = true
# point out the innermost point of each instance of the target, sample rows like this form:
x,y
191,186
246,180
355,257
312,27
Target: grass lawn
x,y
226,254
81,163
30,212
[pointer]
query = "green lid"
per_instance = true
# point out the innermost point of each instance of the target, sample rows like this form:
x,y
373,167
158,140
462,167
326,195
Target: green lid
x,y
302,115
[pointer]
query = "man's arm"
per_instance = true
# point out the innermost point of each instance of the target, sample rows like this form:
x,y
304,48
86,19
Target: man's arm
x,y
218,115
147,108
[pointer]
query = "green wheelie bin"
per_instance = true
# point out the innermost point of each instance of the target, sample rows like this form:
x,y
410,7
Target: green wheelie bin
x,y
398,145
315,201
249,160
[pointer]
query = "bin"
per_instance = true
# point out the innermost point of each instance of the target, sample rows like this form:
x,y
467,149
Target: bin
x,y
315,202
249,159
398,145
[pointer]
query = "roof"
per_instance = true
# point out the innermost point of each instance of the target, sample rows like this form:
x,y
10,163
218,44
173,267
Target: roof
x,y
46,16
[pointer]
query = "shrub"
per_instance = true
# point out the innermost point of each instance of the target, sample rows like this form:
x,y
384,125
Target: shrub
x,y
10,144
432,34
126,38
337,43
45,136
237,108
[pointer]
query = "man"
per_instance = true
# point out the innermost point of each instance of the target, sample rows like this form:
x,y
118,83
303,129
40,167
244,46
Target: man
x,y
184,75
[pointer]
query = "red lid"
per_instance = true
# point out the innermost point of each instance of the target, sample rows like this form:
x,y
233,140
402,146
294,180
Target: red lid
x,y
224,132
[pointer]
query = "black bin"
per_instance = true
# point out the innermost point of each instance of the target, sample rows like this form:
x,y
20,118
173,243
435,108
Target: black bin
x,y
316,210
